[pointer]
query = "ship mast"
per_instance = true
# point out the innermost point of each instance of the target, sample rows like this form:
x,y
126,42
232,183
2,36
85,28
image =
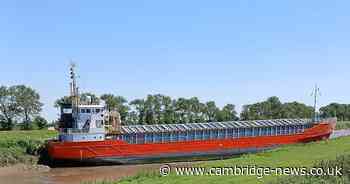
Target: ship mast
x,y
316,93
74,91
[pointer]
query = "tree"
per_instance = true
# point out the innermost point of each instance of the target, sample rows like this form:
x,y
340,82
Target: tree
x,y
296,110
139,106
89,99
85,98
64,100
211,111
40,122
28,102
195,110
118,103
169,110
341,111
227,113
272,108
9,108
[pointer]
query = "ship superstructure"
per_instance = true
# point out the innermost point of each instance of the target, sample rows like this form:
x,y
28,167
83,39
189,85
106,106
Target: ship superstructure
x,y
81,122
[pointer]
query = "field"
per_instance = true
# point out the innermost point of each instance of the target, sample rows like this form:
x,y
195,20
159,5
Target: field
x,y
22,146
329,152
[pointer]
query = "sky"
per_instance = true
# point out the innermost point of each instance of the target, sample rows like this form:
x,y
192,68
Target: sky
x,y
237,52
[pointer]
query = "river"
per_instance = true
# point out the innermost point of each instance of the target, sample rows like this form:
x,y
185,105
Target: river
x,y
22,174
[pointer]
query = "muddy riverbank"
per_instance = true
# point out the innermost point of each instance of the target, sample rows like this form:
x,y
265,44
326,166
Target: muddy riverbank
x,y
23,174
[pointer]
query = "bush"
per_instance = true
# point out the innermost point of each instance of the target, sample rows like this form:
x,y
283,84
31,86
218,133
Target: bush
x,y
40,122
22,146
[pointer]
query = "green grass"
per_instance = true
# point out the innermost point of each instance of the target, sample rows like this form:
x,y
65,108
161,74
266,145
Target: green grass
x,y
300,155
341,161
22,146
343,125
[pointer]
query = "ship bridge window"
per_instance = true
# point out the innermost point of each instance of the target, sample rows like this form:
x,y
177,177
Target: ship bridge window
x,y
88,111
67,111
82,110
97,110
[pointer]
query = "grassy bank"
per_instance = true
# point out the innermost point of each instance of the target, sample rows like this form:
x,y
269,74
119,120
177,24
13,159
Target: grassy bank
x,y
341,161
301,155
343,125
22,146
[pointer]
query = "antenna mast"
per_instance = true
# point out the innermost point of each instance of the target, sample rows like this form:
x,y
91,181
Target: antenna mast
x,y
316,93
74,90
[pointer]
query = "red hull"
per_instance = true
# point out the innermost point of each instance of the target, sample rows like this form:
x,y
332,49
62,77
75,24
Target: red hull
x,y
122,150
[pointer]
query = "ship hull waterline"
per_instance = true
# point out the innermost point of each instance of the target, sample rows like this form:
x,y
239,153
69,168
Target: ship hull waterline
x,y
120,152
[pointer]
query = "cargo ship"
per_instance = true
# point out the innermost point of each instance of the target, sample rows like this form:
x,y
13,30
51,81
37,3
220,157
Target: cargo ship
x,y
94,134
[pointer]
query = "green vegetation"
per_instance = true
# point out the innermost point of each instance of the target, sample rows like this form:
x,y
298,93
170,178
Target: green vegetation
x,y
301,155
18,103
341,111
157,109
343,125
22,146
20,107
341,161
273,108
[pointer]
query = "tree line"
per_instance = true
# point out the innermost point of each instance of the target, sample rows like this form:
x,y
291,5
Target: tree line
x,y
158,108
20,106
341,111
273,108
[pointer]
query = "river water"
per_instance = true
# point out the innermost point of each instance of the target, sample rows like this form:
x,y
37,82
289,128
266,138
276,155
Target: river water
x,y
21,174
